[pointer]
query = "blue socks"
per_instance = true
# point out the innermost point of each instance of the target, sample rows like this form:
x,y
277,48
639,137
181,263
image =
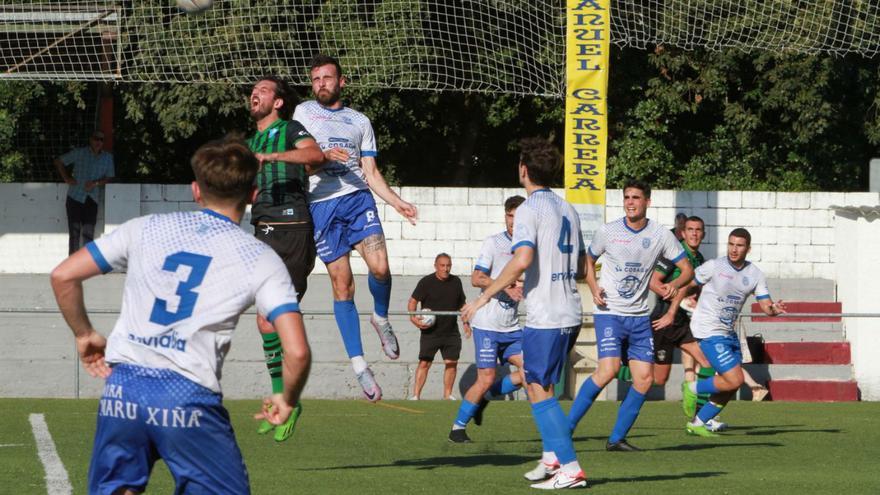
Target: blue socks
x,y
709,411
349,326
553,427
465,413
627,414
381,291
582,403
503,386
707,386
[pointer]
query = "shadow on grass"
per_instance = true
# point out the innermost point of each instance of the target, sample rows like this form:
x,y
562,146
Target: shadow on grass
x,y
662,477
778,431
602,438
472,460
706,446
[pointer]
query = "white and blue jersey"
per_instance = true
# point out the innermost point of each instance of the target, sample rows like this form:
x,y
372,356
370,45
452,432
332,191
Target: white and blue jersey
x,y
725,291
341,128
499,314
190,276
628,260
550,226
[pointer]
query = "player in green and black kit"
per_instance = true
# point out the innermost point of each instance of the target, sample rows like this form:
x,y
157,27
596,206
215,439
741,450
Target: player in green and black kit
x,y
671,323
280,212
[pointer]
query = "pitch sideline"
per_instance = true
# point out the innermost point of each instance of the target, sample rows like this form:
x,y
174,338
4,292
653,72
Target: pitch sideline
x,y
57,482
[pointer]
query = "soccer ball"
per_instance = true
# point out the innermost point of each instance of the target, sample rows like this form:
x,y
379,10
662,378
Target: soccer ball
x,y
194,6
428,319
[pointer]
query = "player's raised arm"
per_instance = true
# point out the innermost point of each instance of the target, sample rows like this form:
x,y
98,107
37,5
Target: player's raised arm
x,y
307,153
377,183
66,280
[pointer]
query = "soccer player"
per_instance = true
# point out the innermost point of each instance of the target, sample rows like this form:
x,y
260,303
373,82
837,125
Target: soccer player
x,y
726,284
496,329
548,247
631,246
280,212
345,214
190,276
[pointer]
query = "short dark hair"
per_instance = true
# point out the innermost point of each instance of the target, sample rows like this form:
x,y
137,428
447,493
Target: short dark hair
x,y
283,92
513,202
225,170
541,160
442,255
743,234
694,218
638,184
321,60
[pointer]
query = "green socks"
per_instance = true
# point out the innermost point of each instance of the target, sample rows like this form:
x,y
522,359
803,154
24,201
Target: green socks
x,y
274,356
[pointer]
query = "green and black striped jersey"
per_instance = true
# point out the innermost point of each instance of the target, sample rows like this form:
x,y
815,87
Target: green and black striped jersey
x,y
281,186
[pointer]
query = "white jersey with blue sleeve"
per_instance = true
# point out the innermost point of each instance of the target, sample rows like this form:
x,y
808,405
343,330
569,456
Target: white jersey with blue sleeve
x,y
499,314
343,128
549,225
190,276
628,260
725,291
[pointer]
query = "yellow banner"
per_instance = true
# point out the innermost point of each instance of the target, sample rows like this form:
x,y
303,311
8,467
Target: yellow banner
x,y
588,36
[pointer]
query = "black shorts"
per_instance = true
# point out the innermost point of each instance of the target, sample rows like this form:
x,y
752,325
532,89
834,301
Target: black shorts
x,y
295,244
449,346
667,339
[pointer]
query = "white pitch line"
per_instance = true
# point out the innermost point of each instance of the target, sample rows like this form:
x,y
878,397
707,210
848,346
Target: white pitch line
x,y
57,482
11,445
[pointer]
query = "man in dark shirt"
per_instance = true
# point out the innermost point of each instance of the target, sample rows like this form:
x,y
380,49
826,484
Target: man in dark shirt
x,y
280,211
440,291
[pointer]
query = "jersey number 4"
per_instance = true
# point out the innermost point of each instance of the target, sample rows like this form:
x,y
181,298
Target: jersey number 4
x,y
198,266
564,241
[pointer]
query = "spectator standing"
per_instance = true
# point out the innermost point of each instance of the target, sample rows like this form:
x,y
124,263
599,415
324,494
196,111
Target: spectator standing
x,y
439,291
92,168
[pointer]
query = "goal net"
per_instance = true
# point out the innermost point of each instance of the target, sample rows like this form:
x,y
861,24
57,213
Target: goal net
x,y
492,46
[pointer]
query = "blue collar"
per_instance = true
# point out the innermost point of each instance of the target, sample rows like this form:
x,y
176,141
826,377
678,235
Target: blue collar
x,y
218,215
734,266
647,221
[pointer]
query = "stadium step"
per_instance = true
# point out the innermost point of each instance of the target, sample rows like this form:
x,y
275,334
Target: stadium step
x,y
803,307
785,331
807,352
813,390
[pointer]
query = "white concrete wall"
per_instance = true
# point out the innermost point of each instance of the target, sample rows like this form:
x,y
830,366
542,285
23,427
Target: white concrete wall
x,y
793,233
857,275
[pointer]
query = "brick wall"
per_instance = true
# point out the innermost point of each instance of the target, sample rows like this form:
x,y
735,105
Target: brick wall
x,y
793,233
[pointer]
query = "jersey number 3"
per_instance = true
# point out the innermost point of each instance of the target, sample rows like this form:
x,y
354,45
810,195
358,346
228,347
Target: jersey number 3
x,y
198,266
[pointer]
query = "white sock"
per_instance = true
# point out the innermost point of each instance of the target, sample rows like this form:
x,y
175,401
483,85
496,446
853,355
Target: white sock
x,y
549,458
697,421
456,426
693,386
359,364
571,468
381,320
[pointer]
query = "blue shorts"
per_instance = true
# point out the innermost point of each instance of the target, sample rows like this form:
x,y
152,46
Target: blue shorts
x,y
545,352
494,348
342,222
613,331
724,353
146,414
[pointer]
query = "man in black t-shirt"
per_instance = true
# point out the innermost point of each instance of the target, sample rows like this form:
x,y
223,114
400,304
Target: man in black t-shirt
x,y
439,291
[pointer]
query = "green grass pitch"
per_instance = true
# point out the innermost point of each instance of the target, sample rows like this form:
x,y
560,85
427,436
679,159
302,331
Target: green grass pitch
x,y
396,447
